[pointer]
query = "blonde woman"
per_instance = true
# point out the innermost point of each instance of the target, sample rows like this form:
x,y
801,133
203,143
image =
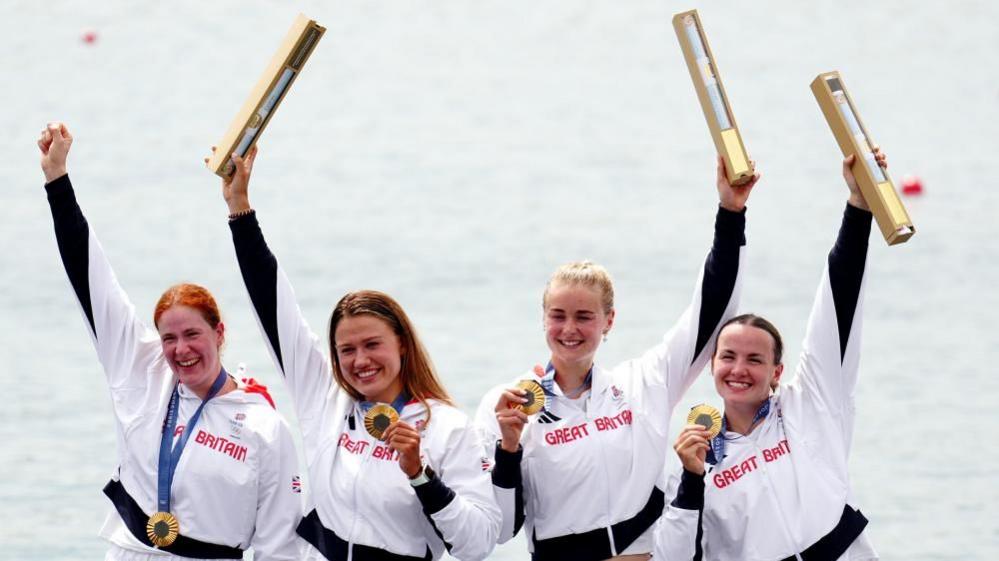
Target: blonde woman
x,y
582,476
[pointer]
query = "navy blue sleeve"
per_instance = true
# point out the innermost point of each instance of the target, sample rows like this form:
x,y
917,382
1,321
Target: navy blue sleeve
x,y
259,268
507,475
847,261
721,270
73,239
690,496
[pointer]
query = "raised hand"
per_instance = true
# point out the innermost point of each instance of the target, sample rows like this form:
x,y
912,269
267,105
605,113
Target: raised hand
x,y
54,142
856,197
235,190
733,197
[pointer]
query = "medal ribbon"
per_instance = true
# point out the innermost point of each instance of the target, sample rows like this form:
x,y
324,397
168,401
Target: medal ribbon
x,y
397,404
170,458
548,382
717,451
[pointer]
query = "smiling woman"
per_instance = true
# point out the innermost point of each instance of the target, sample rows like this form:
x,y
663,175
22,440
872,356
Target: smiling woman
x,y
583,474
233,491
774,482
389,483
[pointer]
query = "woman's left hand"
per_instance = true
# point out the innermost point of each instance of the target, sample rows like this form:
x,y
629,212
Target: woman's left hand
x,y
734,197
404,439
856,196
236,189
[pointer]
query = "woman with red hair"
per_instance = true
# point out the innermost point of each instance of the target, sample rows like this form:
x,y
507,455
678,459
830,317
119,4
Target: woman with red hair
x,y
206,466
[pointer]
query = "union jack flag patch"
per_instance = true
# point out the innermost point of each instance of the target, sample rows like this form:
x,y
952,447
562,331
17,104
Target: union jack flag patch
x,y
296,484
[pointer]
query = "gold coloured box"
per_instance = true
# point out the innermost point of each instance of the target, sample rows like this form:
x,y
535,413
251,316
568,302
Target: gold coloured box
x,y
284,67
711,94
850,133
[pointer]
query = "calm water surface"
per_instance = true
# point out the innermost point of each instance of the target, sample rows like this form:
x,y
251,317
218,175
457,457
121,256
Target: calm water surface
x,y
453,153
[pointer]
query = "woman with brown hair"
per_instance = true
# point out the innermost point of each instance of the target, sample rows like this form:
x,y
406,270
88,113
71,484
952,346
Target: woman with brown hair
x,y
225,489
396,470
773,482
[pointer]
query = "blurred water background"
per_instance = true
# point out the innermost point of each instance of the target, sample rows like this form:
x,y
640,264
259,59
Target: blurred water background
x,y
453,153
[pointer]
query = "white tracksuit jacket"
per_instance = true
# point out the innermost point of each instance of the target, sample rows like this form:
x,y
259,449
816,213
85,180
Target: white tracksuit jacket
x,y
590,463
786,485
233,484
359,492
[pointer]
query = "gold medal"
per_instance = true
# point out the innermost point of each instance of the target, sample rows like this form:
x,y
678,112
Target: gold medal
x,y
378,418
706,416
162,529
535,396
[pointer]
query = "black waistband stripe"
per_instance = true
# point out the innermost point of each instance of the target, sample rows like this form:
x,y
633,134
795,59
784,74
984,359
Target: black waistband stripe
x,y
135,519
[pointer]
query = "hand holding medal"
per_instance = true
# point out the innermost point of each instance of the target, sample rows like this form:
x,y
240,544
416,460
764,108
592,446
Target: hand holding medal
x,y
514,407
703,424
404,439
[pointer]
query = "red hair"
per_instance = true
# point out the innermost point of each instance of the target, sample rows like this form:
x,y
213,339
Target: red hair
x,y
192,296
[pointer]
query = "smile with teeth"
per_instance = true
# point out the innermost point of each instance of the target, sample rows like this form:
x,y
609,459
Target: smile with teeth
x,y
365,374
737,385
570,344
186,363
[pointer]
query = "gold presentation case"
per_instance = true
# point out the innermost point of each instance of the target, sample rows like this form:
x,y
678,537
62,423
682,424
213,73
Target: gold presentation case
x,y
284,67
711,93
850,133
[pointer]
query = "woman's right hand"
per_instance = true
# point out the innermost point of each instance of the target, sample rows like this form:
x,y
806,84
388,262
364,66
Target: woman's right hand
x,y
54,142
235,190
692,447
511,417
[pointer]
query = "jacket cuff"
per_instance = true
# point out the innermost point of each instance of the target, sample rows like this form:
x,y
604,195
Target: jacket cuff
x,y
434,495
856,228
506,472
730,228
690,494
59,187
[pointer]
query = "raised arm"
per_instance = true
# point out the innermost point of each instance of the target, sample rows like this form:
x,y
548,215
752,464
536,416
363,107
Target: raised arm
x,y
828,369
686,347
297,351
123,343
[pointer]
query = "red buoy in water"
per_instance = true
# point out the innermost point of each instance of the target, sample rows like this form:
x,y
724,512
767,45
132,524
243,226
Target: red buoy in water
x,y
911,185
89,37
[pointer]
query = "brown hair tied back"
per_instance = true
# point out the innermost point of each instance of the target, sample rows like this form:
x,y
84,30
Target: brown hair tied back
x,y
754,320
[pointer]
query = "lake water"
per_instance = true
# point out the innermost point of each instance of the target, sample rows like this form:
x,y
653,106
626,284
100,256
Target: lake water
x,y
453,153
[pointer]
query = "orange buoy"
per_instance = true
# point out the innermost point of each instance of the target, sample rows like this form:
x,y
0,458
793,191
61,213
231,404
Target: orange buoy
x,y
911,185
89,37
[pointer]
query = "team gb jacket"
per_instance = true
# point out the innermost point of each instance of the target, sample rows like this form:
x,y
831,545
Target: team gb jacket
x,y
235,482
783,491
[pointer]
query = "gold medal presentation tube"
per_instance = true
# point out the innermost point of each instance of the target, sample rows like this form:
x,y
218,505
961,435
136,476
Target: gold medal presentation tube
x,y
267,94
711,93
876,186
